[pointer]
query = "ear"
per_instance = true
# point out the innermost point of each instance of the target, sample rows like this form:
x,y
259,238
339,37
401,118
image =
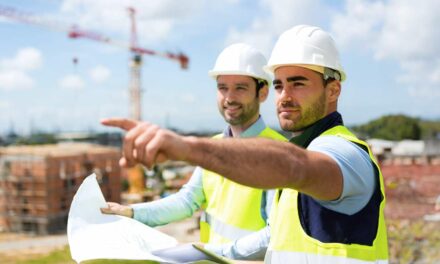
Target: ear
x,y
333,91
264,92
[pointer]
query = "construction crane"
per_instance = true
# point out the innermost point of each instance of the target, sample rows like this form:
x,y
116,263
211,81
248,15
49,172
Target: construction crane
x,y
135,174
75,32
136,63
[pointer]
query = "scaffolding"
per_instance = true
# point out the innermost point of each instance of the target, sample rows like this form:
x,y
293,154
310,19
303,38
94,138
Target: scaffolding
x,y
37,183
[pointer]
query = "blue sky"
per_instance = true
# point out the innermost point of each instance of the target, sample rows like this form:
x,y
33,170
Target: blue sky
x,y
389,49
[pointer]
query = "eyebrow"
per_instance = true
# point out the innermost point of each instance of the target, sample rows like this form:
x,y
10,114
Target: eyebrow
x,y
291,79
235,84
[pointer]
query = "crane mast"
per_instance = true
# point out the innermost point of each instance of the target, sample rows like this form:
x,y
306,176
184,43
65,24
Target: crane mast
x,y
135,72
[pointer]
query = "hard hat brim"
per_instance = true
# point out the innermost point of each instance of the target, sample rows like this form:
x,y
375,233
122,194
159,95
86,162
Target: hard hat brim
x,y
215,74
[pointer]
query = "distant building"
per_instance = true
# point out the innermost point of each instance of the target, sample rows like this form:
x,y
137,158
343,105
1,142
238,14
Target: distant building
x,y
406,151
37,183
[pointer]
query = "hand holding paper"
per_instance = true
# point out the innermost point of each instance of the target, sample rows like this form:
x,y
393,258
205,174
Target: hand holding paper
x,y
117,209
93,235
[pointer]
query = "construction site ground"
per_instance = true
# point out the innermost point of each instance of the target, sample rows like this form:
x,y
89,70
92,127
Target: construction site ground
x,y
20,248
410,241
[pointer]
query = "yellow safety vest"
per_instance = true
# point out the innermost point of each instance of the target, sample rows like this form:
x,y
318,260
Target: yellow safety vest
x,y
291,244
232,210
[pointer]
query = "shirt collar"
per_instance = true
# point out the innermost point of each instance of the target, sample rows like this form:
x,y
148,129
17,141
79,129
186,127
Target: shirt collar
x,y
254,130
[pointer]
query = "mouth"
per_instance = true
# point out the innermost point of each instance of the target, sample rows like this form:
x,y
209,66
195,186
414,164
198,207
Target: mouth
x,y
231,108
287,112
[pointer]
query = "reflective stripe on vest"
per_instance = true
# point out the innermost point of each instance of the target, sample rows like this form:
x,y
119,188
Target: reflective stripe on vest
x,y
232,210
227,231
300,257
291,244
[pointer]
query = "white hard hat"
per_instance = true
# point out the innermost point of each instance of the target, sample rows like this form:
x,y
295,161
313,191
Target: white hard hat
x,y
306,45
240,59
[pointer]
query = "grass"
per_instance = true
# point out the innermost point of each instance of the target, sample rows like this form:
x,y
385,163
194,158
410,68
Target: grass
x,y
63,257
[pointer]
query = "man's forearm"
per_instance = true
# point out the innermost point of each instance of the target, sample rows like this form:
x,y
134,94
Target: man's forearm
x,y
164,211
174,207
269,164
255,162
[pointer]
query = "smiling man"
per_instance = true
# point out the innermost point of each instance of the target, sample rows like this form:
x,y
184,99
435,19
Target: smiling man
x,y
330,208
234,222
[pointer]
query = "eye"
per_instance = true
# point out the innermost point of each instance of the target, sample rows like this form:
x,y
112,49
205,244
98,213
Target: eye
x,y
298,84
278,87
241,88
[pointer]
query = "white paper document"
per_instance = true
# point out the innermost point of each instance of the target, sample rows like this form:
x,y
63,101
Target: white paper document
x,y
93,235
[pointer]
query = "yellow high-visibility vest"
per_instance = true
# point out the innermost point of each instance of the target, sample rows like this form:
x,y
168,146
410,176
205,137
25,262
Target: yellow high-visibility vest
x,y
290,243
231,210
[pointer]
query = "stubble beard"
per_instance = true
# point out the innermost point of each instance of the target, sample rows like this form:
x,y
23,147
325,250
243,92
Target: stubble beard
x,y
307,116
247,113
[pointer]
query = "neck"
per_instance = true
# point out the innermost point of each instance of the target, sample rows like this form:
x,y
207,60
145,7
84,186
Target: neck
x,y
317,128
236,130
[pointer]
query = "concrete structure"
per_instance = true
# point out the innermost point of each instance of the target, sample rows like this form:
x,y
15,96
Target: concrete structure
x,y
37,183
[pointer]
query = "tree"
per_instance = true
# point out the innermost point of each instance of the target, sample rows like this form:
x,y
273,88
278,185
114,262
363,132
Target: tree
x,y
391,127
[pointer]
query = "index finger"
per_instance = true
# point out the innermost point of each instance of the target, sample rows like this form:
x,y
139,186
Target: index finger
x,y
123,123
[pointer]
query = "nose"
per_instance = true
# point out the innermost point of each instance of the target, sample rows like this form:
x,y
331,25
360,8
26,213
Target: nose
x,y
230,97
285,96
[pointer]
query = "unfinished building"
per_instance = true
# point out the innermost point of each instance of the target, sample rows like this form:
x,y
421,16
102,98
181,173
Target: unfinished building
x,y
37,183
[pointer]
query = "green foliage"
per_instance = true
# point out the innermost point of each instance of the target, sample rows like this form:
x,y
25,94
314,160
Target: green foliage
x,y
37,139
55,257
124,185
391,127
413,241
430,129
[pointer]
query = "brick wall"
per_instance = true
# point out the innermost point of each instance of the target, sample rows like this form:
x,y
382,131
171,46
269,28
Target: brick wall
x,y
412,186
36,189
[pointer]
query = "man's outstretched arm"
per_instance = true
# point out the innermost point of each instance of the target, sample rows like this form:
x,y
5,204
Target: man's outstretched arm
x,y
263,163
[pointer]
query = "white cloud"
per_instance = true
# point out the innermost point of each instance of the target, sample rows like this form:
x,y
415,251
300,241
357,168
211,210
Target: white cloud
x,y
99,74
155,18
399,30
264,29
359,24
408,32
26,59
72,82
15,80
14,72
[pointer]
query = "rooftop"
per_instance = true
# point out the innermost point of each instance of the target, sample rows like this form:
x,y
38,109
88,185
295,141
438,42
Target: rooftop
x,y
54,150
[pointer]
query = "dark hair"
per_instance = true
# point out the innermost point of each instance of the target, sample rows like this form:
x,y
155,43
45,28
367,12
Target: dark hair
x,y
327,81
259,83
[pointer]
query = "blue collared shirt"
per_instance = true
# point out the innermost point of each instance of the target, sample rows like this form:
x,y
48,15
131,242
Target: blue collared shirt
x,y
189,199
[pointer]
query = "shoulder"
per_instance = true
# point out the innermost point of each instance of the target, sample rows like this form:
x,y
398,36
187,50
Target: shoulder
x,y
357,171
273,134
336,143
346,153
